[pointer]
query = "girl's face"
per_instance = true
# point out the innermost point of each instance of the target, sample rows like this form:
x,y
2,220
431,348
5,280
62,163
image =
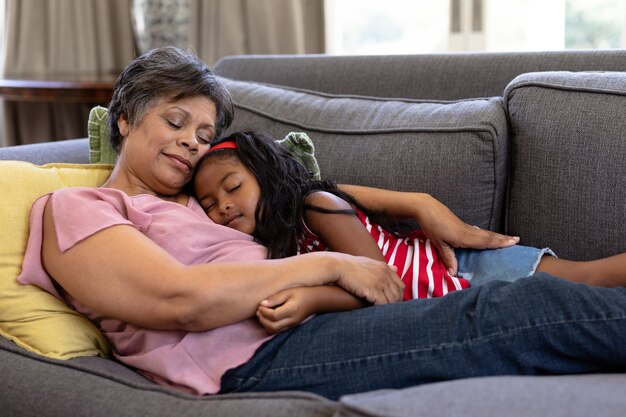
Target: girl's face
x,y
228,192
159,152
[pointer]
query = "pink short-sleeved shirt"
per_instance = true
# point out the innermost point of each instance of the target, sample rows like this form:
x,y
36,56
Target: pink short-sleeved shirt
x,y
193,361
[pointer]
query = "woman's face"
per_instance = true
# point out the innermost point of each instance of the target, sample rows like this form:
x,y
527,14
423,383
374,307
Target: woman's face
x,y
229,193
159,152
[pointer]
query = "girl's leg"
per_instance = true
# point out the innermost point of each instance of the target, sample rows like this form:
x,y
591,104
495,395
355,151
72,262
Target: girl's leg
x,y
536,326
482,266
505,264
606,272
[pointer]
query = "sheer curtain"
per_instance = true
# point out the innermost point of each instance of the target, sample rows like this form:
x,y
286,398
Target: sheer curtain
x,y
94,38
232,27
68,39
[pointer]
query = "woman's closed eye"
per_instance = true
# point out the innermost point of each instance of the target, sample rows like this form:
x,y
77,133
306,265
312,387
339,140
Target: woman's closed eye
x,y
173,124
201,137
204,139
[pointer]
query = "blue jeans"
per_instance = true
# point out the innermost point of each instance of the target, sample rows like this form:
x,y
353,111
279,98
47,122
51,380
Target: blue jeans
x,y
535,326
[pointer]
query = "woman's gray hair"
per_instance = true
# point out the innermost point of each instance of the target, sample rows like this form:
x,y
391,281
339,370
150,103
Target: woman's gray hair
x,y
167,73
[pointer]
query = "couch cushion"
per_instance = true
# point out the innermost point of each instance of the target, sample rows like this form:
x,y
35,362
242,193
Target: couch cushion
x,y
510,396
100,387
568,176
31,317
454,150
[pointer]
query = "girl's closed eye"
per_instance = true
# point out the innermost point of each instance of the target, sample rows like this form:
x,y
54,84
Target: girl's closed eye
x,y
208,207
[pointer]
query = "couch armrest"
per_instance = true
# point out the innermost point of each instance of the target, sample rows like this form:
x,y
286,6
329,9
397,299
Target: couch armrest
x,y
567,179
71,151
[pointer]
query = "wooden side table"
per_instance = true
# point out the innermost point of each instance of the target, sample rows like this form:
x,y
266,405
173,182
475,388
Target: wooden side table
x,y
57,91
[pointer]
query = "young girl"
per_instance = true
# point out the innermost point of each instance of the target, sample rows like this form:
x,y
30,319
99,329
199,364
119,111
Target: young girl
x,y
249,183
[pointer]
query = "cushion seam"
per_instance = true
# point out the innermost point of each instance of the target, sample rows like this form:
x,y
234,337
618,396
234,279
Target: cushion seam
x,y
553,86
315,128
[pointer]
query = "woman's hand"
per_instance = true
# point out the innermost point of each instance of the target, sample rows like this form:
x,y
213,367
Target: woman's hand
x,y
374,281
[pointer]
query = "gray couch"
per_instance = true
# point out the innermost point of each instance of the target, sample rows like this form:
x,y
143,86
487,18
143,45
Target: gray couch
x,y
531,144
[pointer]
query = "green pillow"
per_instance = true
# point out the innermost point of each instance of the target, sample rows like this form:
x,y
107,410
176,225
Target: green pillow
x,y
300,145
100,151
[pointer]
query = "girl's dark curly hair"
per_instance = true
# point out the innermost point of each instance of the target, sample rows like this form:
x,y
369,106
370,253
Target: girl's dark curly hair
x,y
284,184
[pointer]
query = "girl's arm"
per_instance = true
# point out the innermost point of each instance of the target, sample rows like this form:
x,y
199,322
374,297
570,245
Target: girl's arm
x,y
340,232
291,307
445,230
121,274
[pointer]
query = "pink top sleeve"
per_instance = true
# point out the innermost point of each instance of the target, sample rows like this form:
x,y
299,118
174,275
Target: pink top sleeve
x,y
78,213
82,212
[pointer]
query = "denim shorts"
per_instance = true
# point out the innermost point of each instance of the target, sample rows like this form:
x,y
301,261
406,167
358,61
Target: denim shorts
x,y
506,264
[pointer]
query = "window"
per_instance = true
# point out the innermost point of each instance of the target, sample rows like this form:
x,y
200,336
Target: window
x,y
595,24
424,26
400,26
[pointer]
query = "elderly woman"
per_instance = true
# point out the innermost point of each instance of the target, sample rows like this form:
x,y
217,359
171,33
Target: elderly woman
x,y
177,294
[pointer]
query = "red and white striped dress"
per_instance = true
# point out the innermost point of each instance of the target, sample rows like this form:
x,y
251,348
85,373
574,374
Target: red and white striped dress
x,y
419,265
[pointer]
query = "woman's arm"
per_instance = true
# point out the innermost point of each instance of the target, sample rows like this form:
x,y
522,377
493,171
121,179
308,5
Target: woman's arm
x,y
445,230
340,232
121,274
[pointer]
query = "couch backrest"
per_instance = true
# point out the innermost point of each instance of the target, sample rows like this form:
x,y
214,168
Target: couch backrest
x,y
447,76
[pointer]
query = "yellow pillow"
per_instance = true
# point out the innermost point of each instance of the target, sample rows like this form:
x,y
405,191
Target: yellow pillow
x,y
29,316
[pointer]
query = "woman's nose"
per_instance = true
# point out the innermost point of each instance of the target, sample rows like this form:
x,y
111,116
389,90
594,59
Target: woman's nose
x,y
189,141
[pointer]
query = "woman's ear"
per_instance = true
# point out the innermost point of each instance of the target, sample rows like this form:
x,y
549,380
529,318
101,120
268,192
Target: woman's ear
x,y
123,125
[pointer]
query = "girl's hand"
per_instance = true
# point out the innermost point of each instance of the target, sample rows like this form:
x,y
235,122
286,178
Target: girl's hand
x,y
286,309
446,231
291,307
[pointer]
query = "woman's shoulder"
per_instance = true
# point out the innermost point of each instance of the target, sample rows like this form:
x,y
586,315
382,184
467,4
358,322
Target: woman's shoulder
x,y
95,195
86,193
89,200
77,204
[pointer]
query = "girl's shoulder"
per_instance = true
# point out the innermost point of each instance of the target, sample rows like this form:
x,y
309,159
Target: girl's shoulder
x,y
326,200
